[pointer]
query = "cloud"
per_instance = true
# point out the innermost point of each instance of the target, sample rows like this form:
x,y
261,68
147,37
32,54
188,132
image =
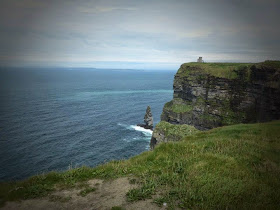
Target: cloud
x,y
104,9
70,32
26,4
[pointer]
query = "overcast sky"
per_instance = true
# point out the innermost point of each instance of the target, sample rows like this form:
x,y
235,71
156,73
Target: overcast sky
x,y
141,34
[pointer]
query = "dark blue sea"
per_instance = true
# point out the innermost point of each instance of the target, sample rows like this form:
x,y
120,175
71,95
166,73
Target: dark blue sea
x,y
54,118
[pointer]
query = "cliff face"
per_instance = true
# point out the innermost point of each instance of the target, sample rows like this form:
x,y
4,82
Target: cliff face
x,y
211,95
208,95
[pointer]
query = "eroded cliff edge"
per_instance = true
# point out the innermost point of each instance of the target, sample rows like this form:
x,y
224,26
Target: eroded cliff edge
x,y
209,95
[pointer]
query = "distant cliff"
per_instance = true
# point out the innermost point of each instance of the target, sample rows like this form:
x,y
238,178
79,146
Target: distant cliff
x,y
208,95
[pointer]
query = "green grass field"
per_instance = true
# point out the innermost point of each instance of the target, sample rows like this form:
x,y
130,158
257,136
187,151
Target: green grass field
x,y
224,70
221,70
229,167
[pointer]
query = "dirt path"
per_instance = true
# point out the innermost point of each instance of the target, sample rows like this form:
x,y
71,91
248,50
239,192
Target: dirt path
x,y
106,194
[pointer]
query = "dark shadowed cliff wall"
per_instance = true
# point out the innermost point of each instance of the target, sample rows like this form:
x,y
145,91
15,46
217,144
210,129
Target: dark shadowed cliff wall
x,y
209,95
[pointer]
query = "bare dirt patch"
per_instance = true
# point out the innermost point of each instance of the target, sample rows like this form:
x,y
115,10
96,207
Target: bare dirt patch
x,y
106,194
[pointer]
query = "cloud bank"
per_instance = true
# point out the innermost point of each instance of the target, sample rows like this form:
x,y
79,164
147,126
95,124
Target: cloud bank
x,y
137,34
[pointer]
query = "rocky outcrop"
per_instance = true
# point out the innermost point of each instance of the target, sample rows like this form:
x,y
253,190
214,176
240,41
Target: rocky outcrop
x,y
212,95
209,95
165,132
148,119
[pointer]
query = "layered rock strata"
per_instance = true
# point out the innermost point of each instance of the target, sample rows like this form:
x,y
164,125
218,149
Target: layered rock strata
x,y
250,94
209,95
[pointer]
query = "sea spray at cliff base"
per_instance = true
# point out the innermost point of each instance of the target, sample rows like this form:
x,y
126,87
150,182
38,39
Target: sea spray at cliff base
x,y
146,132
51,118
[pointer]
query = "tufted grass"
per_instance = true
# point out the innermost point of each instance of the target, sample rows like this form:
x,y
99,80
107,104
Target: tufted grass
x,y
221,70
175,132
228,167
224,70
178,107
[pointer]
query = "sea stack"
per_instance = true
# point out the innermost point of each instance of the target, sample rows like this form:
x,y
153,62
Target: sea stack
x,y
148,119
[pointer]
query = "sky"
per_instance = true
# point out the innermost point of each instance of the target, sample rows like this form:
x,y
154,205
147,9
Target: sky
x,y
137,34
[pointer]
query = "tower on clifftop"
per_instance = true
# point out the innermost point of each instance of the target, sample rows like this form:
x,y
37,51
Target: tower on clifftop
x,y
199,60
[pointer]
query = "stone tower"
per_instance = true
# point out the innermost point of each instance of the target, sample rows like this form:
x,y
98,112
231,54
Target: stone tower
x,y
199,60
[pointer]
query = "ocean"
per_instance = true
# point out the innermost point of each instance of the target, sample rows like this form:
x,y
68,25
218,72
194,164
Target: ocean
x,y
55,118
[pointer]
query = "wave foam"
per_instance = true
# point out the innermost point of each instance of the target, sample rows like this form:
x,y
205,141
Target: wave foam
x,y
146,132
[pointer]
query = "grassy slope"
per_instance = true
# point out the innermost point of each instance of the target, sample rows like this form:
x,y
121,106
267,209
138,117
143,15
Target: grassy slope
x,y
178,106
175,132
233,166
223,70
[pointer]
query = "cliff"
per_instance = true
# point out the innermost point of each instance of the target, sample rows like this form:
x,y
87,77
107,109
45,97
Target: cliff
x,y
209,95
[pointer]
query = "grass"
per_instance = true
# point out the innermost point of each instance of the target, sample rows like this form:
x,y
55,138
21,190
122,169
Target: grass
x,y
181,108
58,198
175,132
178,106
228,167
224,70
221,70
86,191
146,191
271,64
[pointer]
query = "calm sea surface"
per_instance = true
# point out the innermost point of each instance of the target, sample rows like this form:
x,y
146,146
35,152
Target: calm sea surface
x,y
53,118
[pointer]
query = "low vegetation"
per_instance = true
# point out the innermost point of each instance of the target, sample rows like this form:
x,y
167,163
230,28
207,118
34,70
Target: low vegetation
x,y
58,198
225,70
228,167
86,191
270,64
222,70
175,132
117,208
178,106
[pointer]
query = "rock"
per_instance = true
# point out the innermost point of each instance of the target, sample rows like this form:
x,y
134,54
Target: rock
x,y
165,132
209,95
248,93
148,119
